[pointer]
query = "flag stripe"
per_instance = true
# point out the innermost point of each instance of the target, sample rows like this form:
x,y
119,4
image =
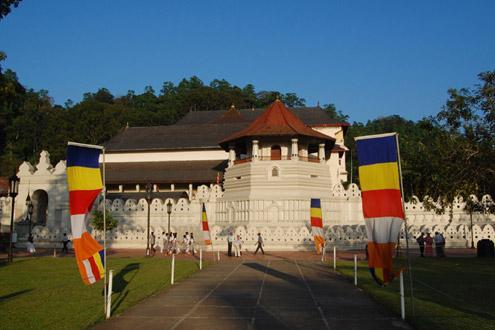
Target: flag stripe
x,y
89,272
97,259
82,156
94,268
379,176
315,212
83,178
315,203
82,200
383,230
377,150
78,225
316,222
382,203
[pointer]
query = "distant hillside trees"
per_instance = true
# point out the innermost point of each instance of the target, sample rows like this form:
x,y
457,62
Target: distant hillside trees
x,y
30,122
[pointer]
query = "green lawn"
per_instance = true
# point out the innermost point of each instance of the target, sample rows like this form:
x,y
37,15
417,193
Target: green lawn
x,y
47,292
450,293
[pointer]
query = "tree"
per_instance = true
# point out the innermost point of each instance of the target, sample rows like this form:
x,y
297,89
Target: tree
x,y
332,111
465,151
6,7
97,221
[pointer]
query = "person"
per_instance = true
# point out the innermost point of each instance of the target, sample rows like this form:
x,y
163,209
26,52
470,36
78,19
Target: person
x,y
191,244
170,243
164,246
152,244
30,245
175,245
230,240
237,246
439,244
240,245
65,242
442,247
259,244
185,244
428,245
421,243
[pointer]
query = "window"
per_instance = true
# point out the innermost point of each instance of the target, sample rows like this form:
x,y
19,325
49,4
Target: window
x,y
275,171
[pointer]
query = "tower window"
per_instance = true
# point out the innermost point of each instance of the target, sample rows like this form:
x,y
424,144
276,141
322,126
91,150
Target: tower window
x,y
275,171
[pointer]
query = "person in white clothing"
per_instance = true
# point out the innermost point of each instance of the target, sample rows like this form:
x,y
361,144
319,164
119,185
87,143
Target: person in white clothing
x,y
185,244
191,244
237,246
30,245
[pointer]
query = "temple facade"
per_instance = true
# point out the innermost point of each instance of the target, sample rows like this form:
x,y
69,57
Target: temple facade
x,y
254,169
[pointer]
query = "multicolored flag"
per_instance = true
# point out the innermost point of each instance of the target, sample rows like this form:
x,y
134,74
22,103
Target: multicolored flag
x,y
317,224
84,181
204,224
382,200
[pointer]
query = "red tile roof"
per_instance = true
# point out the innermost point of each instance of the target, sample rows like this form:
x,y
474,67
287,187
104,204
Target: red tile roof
x,y
277,120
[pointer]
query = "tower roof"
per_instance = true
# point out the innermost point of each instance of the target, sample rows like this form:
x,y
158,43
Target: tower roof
x,y
277,120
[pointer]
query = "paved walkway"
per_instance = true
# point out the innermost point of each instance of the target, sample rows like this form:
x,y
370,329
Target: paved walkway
x,y
270,293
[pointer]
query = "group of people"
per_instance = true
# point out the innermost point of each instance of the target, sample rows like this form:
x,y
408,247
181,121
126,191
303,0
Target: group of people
x,y
426,244
171,244
31,249
236,243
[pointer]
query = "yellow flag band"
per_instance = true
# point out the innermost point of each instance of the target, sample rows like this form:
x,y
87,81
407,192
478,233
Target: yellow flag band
x,y
83,178
379,176
315,213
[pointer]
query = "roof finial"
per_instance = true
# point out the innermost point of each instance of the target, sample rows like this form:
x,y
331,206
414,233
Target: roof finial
x,y
318,103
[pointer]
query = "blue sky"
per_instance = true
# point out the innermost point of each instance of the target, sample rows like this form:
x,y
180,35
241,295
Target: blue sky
x,y
369,58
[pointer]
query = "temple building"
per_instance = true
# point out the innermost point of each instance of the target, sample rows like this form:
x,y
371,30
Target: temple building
x,y
255,170
178,158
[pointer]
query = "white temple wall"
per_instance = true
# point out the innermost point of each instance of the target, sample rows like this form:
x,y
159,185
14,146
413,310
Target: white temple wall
x,y
283,222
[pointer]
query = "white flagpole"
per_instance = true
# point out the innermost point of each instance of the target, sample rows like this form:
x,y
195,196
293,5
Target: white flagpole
x,y
405,225
104,231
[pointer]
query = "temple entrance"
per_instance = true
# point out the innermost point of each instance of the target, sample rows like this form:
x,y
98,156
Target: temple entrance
x,y
40,207
276,153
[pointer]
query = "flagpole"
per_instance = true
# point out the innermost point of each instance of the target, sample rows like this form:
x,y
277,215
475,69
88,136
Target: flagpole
x,y
405,225
104,233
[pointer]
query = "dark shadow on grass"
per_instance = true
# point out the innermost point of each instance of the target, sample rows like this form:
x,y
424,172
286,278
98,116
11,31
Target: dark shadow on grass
x,y
13,294
120,284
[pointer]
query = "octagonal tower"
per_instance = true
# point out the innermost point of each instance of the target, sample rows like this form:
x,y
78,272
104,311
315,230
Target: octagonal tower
x,y
276,158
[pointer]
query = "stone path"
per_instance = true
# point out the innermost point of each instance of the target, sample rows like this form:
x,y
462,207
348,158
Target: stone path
x,y
259,294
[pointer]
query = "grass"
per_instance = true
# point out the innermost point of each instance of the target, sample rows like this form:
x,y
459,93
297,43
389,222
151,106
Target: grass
x,y
47,292
450,293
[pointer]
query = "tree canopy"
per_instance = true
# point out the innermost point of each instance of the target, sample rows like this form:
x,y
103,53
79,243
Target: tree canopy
x,y
450,154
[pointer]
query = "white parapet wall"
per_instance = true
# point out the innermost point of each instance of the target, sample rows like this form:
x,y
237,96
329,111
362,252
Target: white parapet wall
x,y
284,223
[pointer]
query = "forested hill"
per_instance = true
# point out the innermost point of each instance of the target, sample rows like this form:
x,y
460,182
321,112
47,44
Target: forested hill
x,y
446,154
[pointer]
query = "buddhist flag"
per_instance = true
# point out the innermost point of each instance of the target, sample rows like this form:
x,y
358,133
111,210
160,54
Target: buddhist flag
x,y
84,181
382,200
317,224
204,226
